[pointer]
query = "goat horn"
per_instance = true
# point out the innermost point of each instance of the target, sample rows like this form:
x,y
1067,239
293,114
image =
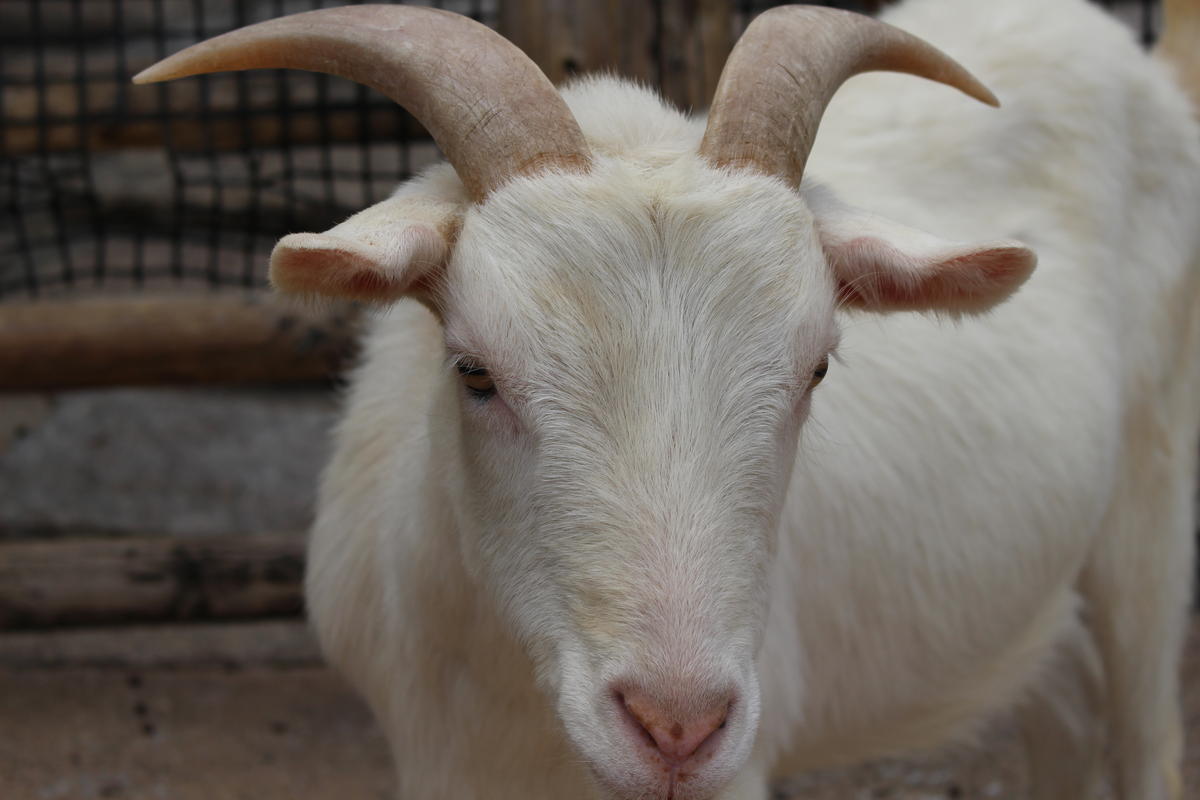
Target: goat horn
x,y
491,110
786,68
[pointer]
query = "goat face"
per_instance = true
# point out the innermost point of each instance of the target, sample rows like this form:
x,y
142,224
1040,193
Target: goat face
x,y
638,349
637,342
650,344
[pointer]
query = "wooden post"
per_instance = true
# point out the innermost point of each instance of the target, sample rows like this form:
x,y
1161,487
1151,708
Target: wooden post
x,y
151,339
1180,44
106,581
679,46
565,37
696,36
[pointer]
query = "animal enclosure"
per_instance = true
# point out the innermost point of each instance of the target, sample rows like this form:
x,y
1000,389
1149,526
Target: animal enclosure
x,y
138,222
113,187
115,194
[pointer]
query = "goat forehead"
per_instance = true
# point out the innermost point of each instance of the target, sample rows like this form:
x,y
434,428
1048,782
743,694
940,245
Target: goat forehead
x,y
675,226
632,265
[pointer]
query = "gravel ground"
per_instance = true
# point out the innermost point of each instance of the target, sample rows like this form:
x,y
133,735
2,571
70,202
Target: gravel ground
x,y
287,729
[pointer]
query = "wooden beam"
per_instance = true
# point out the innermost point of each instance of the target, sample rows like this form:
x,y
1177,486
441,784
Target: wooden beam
x,y
223,134
105,581
170,339
277,643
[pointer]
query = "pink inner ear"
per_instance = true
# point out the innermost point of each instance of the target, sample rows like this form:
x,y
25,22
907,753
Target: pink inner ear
x,y
335,266
336,271
872,274
987,272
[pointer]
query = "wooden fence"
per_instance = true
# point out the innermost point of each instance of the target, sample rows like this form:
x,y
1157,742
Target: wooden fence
x,y
135,190
213,171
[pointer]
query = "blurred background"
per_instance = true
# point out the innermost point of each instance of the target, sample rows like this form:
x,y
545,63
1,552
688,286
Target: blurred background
x,y
163,419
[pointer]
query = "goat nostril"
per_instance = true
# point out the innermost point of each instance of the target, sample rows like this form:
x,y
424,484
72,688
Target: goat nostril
x,y
675,733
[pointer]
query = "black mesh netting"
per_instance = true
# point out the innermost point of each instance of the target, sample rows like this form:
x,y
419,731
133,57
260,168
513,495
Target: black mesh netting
x,y
113,186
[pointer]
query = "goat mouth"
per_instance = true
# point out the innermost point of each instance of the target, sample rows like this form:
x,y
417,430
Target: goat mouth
x,y
668,790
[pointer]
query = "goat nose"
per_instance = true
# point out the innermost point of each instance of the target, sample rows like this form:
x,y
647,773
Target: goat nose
x,y
675,734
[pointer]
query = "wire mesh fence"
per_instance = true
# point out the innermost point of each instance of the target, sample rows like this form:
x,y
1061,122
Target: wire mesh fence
x,y
107,185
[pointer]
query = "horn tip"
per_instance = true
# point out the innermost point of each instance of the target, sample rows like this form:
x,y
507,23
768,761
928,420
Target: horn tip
x,y
152,74
989,97
975,88
180,65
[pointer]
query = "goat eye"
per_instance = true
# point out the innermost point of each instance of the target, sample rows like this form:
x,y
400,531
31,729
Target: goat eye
x,y
819,372
477,380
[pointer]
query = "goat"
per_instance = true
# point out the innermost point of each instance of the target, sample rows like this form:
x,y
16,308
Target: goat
x,y
591,530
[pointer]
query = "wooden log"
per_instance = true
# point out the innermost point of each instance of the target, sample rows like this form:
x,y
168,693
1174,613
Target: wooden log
x,y
105,581
153,339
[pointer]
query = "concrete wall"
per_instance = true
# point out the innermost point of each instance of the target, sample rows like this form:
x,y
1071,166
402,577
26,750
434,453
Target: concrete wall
x,y
177,462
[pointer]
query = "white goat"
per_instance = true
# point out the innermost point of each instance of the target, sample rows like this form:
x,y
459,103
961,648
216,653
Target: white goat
x,y
569,545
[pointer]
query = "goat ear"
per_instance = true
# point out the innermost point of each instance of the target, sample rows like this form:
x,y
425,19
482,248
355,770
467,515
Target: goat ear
x,y
392,249
882,265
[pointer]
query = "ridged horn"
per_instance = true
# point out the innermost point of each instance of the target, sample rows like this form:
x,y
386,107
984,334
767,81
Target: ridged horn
x,y
786,68
487,105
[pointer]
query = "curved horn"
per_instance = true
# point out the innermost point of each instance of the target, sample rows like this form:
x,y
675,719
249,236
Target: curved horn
x,y
489,108
786,68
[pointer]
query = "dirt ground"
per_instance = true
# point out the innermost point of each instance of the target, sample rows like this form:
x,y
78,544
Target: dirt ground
x,y
247,713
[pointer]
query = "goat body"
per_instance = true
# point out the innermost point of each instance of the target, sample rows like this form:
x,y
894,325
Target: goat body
x,y
985,512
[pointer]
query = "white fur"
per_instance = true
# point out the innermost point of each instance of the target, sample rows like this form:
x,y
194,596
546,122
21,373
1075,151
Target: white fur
x,y
977,513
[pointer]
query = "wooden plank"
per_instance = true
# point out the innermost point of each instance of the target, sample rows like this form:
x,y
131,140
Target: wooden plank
x,y
186,135
1180,44
166,339
618,36
104,581
286,643
697,36
565,38
537,27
